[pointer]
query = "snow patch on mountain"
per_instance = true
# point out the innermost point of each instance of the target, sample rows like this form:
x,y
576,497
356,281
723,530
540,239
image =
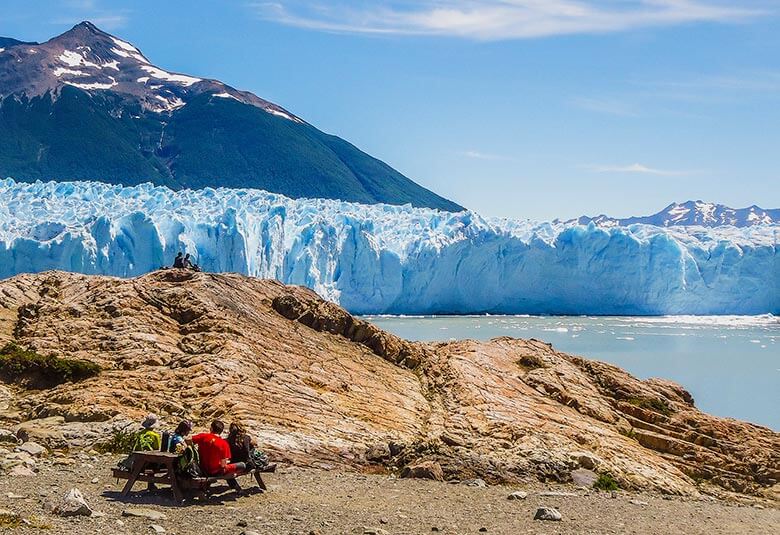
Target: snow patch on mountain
x,y
74,59
693,213
95,85
165,75
393,259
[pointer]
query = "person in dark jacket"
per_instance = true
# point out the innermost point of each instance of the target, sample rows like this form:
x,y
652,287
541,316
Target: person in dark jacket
x,y
241,444
178,262
244,449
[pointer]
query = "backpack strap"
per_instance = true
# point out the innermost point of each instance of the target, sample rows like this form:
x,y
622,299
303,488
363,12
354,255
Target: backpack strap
x,y
166,441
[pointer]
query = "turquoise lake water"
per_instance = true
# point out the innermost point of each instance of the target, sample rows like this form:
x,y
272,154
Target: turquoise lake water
x,y
730,364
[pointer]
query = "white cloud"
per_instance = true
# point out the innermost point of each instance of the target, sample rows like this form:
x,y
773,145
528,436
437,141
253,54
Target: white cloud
x,y
477,155
636,168
500,19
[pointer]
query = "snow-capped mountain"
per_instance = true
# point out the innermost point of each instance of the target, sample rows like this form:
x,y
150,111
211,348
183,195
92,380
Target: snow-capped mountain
x,y
392,259
693,213
87,58
88,105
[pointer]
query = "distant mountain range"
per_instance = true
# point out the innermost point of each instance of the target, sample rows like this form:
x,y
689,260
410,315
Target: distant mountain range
x,y
693,213
88,106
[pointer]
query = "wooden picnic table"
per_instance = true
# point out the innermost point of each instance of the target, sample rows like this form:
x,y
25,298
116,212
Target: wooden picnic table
x,y
144,461
160,467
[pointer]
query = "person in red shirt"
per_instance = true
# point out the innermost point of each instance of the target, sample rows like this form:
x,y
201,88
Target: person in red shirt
x,y
214,454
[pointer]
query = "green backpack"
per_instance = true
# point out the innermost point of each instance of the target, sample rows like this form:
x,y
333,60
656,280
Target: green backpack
x,y
189,463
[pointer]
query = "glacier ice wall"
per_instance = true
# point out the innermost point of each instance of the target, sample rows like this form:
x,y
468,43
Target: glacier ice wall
x,y
392,259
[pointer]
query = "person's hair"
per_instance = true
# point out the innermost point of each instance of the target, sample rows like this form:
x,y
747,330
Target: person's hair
x,y
183,429
237,431
217,427
187,255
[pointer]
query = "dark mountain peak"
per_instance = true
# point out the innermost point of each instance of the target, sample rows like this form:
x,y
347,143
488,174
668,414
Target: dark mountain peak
x,y
87,105
8,42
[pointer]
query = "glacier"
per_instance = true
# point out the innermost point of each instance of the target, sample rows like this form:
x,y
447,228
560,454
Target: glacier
x,y
383,259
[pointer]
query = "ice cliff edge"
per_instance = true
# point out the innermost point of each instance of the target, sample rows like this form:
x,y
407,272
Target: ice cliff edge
x,y
392,259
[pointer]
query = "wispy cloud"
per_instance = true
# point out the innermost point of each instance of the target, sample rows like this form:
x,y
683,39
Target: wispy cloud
x,y
500,19
636,168
477,155
76,11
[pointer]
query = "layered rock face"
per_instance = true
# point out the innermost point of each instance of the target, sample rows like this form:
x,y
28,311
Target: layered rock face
x,y
320,387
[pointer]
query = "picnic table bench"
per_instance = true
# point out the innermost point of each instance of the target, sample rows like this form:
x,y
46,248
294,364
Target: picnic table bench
x,y
160,467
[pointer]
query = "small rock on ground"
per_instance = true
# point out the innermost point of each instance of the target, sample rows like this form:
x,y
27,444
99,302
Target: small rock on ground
x,y
21,471
143,512
33,448
518,495
73,504
548,513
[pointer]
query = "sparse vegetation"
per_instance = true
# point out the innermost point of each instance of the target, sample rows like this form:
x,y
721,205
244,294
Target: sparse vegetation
x,y
658,405
38,371
529,362
121,441
10,521
630,433
606,482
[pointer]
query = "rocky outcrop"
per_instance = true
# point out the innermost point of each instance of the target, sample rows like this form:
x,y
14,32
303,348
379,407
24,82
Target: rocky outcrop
x,y
320,387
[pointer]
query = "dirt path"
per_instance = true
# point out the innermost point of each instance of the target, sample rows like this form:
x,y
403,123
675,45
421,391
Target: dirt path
x,y
303,501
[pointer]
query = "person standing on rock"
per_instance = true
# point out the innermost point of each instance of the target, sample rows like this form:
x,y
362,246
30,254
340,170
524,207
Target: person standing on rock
x,y
214,454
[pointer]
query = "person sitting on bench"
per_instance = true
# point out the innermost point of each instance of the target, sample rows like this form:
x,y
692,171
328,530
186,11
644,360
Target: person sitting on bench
x,y
214,454
244,449
176,441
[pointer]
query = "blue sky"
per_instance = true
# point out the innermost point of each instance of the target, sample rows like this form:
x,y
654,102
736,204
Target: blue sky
x,y
520,108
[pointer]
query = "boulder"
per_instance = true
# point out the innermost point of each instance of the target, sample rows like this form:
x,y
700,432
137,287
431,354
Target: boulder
x,y
378,453
8,437
44,430
518,495
548,513
423,470
33,448
21,471
584,478
72,504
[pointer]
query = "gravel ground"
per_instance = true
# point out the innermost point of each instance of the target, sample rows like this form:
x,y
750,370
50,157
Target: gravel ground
x,y
303,501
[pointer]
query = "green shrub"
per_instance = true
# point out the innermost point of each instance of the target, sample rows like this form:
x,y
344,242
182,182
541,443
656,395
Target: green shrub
x,y
120,442
606,482
39,371
654,404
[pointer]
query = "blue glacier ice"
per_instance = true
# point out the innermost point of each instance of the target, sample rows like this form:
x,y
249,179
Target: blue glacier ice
x,y
376,259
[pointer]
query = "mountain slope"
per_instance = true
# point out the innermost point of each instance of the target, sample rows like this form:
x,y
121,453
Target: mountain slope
x,y
693,213
86,105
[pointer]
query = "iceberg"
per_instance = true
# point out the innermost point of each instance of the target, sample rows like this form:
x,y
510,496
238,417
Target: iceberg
x,y
384,259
